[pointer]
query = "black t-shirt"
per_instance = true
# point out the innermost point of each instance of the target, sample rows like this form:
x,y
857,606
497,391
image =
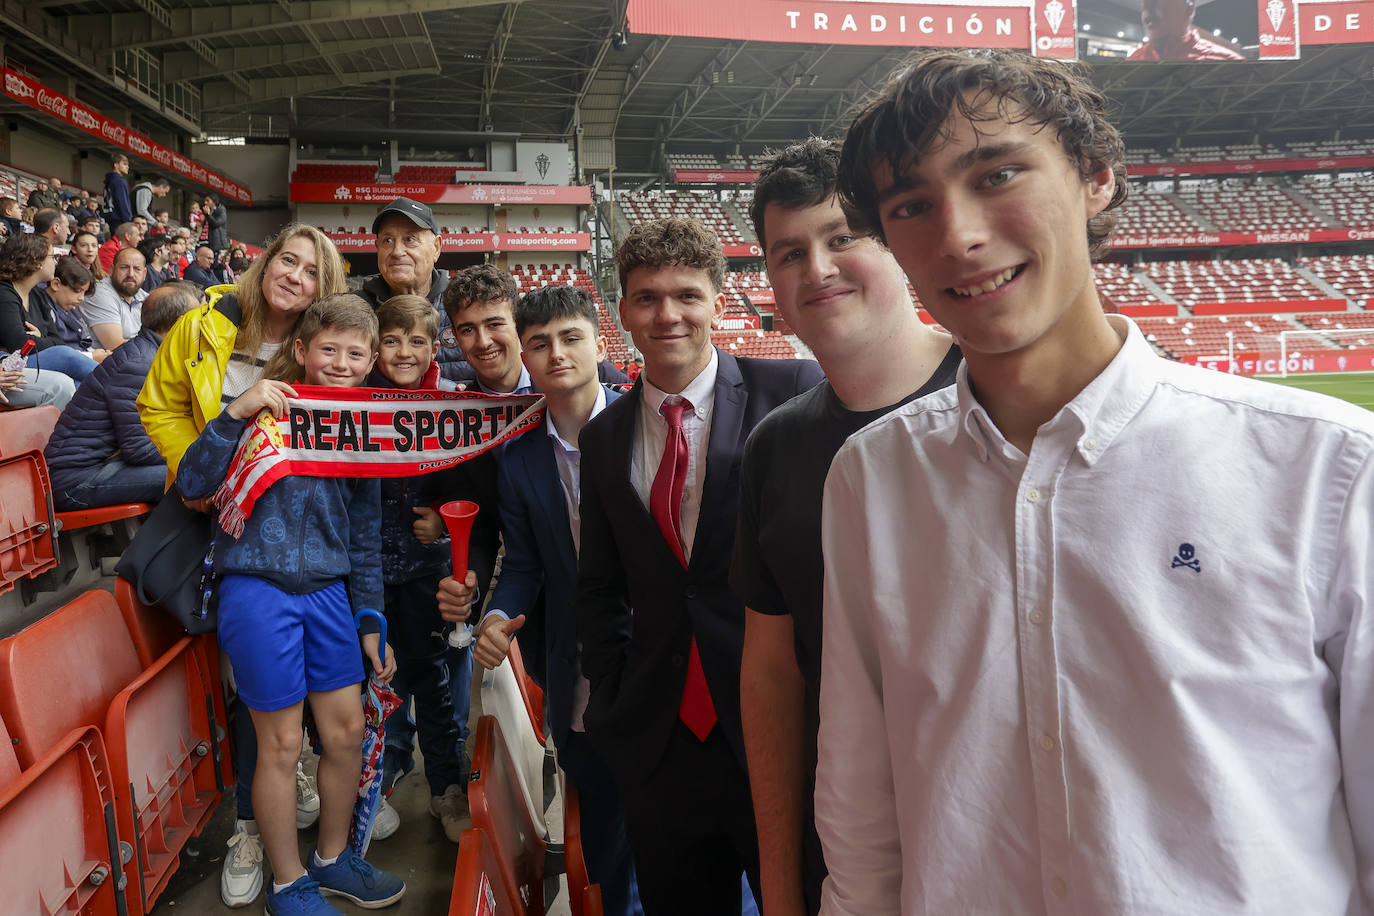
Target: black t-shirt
x,y
777,567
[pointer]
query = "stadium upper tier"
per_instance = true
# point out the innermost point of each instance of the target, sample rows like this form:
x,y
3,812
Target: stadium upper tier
x,y
1198,207
725,219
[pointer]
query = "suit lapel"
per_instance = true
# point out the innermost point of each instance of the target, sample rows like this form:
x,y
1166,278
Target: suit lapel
x,y
547,488
727,420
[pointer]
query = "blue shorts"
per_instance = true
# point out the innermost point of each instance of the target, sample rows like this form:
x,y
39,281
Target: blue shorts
x,y
283,646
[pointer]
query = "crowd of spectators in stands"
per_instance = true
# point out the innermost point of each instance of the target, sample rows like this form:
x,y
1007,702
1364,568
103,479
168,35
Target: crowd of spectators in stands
x,y
76,268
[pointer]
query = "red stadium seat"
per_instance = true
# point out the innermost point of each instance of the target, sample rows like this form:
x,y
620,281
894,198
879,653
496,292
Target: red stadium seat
x,y
27,429
42,698
498,810
580,888
154,631
161,736
88,518
58,849
160,727
477,884
28,534
530,692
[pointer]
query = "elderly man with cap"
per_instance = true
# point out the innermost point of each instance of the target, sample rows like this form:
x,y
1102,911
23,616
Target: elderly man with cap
x,y
408,247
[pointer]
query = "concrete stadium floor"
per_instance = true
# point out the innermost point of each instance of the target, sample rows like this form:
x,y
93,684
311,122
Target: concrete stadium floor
x,y
418,852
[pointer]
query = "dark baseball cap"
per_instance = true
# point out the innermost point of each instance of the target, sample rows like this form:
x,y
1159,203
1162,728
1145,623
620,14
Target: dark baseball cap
x,y
412,210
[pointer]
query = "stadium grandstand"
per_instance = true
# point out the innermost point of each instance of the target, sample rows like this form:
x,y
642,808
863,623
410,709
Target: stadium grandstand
x,y
538,134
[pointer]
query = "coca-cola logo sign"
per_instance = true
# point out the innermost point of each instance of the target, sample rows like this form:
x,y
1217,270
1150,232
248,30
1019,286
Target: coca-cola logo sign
x,y
54,103
162,154
84,119
17,87
113,132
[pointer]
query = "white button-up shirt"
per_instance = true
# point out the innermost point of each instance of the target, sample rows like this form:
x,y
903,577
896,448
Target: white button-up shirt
x,y
1130,673
653,435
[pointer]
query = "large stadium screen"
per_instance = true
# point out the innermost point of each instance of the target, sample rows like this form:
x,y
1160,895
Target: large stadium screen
x,y
1163,30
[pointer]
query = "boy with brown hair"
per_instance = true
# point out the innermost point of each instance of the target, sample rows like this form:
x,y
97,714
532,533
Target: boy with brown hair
x,y
1092,644
660,628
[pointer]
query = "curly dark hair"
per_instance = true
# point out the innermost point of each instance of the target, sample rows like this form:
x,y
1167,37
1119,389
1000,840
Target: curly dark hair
x,y
801,176
672,242
479,283
23,255
911,114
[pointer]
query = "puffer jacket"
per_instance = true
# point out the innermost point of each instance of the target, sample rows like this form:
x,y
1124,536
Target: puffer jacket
x,y
305,533
451,363
182,393
102,418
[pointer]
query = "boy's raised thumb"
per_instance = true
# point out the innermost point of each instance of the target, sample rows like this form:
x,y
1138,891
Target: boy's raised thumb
x,y
515,623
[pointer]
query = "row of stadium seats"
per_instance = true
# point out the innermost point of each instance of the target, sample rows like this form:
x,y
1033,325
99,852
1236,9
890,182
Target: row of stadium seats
x,y
103,777
762,344
1249,206
528,277
335,171
639,206
1249,152
1241,280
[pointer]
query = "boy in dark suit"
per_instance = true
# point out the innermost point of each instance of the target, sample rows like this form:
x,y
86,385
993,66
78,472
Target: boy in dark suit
x,y
660,628
539,485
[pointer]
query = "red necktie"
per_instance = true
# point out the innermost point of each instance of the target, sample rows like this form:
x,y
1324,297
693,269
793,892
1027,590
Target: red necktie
x,y
697,711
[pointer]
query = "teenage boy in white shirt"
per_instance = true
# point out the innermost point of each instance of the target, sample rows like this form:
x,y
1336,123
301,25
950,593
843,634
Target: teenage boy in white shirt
x,y
1098,627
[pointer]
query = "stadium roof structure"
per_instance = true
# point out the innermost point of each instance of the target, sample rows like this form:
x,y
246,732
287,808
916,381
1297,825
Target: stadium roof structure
x,y
443,73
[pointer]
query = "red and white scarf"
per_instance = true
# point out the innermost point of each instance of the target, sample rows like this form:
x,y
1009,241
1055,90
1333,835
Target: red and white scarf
x,y
367,432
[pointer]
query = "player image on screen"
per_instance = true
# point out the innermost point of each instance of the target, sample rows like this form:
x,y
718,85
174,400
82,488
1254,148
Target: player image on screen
x,y
1171,35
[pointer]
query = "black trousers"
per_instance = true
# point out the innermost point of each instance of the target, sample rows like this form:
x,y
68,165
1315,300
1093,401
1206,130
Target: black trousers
x,y
691,828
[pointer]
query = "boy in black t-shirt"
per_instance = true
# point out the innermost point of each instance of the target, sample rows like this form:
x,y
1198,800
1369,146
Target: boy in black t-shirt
x,y
845,296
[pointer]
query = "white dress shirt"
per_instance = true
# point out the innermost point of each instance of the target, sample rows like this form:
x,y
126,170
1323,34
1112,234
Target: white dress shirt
x,y
653,435
567,457
1131,673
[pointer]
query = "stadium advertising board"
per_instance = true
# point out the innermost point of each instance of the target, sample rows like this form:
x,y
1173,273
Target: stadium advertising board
x,y
25,89
479,241
1209,239
743,250
493,194
1230,30
1355,360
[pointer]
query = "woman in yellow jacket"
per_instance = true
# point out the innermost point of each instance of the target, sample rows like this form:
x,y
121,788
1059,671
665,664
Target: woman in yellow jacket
x,y
211,356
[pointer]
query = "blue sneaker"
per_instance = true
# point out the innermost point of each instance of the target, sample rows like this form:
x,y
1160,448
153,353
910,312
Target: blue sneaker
x,y
352,878
299,898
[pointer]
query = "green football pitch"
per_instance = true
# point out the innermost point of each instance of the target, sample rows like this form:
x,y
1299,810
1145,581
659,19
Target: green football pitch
x,y
1355,387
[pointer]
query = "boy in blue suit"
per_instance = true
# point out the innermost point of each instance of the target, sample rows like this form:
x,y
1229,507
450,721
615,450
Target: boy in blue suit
x,y
539,484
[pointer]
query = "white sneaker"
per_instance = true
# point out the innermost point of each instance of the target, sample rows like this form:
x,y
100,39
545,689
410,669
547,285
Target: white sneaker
x,y
386,821
307,800
240,881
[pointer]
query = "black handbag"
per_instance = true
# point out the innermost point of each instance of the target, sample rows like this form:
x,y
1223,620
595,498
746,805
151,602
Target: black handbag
x,y
170,563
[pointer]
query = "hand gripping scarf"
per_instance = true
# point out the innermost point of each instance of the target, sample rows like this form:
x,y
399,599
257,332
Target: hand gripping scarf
x,y
367,432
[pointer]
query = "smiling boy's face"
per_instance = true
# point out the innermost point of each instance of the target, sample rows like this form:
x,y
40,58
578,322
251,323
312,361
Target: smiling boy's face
x,y
336,357
405,355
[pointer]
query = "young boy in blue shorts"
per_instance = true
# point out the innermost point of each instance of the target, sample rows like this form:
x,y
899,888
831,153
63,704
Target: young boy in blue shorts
x,y
415,556
308,559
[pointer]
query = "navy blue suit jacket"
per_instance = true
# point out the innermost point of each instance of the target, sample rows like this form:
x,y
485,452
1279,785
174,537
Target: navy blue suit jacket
x,y
540,554
637,608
